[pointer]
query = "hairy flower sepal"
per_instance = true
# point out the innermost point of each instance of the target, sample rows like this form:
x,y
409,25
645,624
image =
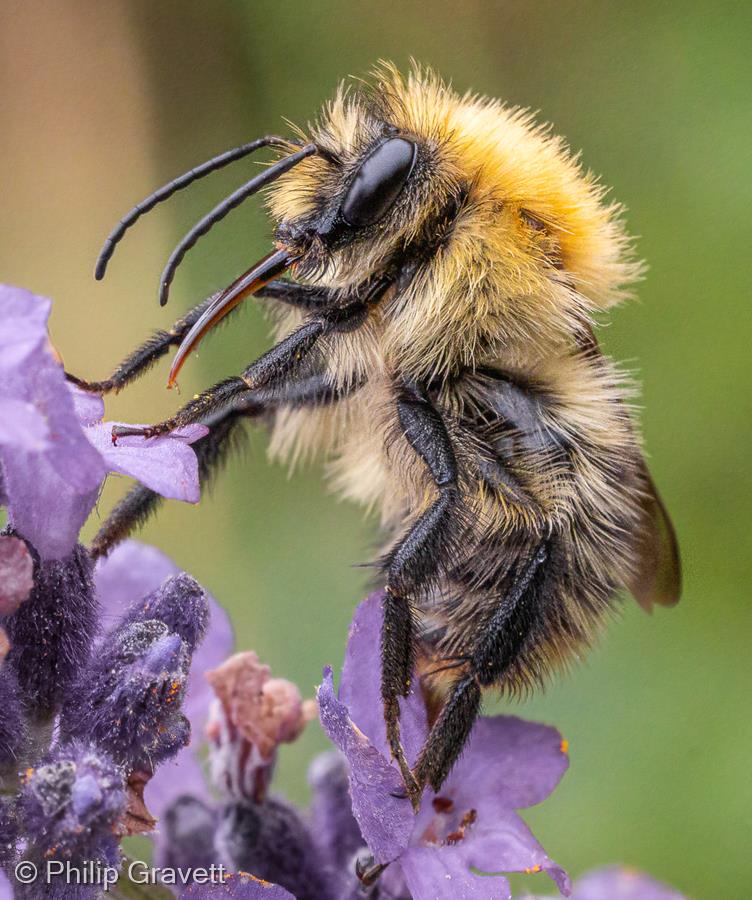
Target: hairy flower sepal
x,y
472,825
71,802
129,697
51,632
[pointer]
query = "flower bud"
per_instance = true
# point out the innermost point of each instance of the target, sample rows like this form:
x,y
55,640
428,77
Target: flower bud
x,y
270,840
181,603
253,714
333,825
189,827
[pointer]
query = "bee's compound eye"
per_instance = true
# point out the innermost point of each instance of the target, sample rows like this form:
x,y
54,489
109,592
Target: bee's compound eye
x,y
378,182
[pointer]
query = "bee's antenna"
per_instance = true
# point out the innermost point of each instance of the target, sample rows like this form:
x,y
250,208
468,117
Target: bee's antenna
x,y
222,209
167,190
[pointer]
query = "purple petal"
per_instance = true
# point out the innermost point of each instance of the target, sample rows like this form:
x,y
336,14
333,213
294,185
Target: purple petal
x,y
618,883
360,688
166,464
217,645
89,407
22,426
42,506
439,873
6,891
240,887
50,488
508,764
69,453
130,573
385,821
23,317
506,844
182,775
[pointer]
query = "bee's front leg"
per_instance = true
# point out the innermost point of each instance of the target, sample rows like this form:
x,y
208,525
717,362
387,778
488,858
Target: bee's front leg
x,y
157,345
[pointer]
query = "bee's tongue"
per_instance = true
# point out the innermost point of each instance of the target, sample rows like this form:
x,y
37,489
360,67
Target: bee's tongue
x,y
253,280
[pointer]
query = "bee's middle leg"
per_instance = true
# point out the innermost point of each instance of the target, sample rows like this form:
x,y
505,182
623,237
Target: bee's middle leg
x,y
411,564
495,650
225,432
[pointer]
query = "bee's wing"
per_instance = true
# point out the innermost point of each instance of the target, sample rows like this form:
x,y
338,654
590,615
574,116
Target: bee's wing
x,y
657,578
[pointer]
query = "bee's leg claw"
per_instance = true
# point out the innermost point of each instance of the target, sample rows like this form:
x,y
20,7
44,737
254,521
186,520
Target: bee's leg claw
x,y
368,870
145,431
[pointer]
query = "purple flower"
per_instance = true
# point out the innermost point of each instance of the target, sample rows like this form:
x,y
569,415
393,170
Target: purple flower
x,y
54,451
470,828
71,803
618,883
472,824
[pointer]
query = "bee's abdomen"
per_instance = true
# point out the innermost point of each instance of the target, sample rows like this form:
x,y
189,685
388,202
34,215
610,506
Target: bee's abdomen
x,y
541,481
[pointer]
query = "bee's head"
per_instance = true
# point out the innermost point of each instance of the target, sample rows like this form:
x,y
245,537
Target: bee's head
x,y
375,189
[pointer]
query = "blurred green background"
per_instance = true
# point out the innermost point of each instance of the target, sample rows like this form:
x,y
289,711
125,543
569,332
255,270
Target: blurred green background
x,y
101,102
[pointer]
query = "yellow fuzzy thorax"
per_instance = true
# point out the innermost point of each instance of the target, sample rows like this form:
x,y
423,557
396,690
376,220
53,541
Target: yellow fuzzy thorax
x,y
533,253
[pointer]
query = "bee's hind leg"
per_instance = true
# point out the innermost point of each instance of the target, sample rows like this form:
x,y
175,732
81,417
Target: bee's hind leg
x,y
497,647
415,561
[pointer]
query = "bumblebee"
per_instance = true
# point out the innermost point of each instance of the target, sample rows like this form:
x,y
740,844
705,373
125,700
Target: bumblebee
x,y
435,345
